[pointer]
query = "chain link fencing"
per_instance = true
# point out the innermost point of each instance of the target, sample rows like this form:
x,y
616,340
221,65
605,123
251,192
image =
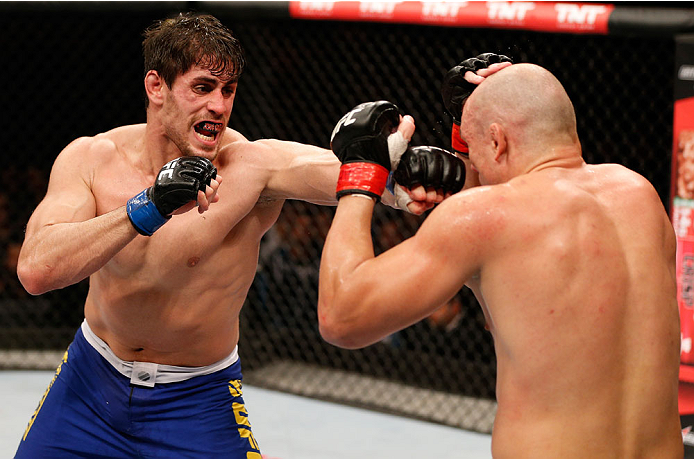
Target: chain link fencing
x,y
78,74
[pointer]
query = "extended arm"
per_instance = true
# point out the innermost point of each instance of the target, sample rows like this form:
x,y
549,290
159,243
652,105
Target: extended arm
x,y
310,173
299,171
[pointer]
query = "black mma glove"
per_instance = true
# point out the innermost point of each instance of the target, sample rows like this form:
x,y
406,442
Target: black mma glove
x,y
430,167
455,90
177,183
366,142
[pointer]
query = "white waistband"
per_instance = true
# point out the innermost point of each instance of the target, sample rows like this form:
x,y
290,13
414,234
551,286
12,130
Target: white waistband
x,y
147,373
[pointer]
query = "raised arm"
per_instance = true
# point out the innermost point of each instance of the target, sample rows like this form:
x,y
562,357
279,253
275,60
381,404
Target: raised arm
x,y
361,298
65,242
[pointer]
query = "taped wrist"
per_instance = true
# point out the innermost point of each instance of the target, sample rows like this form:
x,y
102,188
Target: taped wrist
x,y
144,215
457,143
362,178
400,198
390,183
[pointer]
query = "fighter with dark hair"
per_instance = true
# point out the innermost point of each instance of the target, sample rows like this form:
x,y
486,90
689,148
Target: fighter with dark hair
x,y
154,369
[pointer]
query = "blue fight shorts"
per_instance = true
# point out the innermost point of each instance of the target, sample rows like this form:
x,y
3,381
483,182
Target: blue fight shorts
x,y
92,410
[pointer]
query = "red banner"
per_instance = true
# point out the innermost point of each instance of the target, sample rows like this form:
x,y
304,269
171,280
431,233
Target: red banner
x,y
682,209
683,217
537,16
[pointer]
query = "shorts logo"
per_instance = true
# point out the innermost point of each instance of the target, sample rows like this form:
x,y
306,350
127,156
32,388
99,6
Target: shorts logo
x,y
143,376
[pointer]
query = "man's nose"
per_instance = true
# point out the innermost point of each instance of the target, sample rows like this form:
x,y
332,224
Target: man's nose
x,y
216,103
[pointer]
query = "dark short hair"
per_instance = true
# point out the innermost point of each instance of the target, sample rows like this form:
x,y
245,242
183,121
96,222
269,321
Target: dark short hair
x,y
173,46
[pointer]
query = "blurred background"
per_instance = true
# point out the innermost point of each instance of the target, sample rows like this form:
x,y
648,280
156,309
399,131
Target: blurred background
x,y
75,70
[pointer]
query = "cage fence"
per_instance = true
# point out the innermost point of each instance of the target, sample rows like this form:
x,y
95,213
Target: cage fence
x,y
81,74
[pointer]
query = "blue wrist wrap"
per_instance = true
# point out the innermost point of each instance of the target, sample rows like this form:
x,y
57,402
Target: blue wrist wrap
x,y
144,215
390,184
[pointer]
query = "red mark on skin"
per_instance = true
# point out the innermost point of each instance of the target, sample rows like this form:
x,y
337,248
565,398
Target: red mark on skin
x,y
551,311
193,261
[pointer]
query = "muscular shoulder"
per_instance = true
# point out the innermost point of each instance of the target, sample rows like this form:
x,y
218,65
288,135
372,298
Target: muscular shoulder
x,y
465,230
108,143
618,173
624,181
85,154
477,213
252,159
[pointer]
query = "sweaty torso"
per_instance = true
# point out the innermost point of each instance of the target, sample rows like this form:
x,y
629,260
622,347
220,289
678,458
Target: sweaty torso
x,y
580,295
174,298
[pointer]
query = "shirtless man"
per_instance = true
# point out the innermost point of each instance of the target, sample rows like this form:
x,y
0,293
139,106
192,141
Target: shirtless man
x,y
573,265
154,369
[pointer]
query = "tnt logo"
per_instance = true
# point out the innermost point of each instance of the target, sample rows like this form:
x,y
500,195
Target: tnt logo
x,y
316,7
377,8
569,13
508,11
441,10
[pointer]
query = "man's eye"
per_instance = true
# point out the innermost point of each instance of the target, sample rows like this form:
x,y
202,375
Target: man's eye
x,y
202,88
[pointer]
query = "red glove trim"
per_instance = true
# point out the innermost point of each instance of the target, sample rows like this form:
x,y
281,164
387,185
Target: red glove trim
x,y
364,178
457,143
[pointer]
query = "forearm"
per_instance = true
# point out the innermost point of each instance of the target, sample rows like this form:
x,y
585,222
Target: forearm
x,y
61,254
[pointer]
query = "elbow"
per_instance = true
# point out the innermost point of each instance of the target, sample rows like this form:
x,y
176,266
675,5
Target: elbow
x,y
33,279
338,332
338,336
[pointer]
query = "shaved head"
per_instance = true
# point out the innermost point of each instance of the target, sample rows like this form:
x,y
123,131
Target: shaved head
x,y
516,120
528,101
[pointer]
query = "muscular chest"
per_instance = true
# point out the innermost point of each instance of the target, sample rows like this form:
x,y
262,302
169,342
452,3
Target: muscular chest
x,y
232,227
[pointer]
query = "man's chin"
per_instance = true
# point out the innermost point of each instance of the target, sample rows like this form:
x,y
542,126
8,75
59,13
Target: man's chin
x,y
205,151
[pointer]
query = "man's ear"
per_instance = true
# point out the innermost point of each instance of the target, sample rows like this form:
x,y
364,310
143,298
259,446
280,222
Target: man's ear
x,y
499,141
154,85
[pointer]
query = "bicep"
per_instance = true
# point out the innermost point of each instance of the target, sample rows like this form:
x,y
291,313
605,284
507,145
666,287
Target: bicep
x,y
69,197
300,171
411,280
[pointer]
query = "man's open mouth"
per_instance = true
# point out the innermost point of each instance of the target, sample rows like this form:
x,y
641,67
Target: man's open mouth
x,y
207,130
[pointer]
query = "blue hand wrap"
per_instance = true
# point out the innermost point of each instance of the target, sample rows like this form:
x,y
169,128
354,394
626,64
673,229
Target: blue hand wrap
x,y
390,184
144,215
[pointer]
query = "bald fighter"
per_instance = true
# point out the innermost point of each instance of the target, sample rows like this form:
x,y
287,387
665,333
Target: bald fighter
x,y
154,369
573,265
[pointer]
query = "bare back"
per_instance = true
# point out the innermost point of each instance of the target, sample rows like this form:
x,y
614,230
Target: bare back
x,y
579,299
573,264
